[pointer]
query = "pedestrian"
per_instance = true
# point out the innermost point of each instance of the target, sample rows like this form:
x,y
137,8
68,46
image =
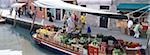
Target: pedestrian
x,y
70,24
53,18
137,30
144,28
30,13
75,19
19,12
50,16
16,11
65,17
130,24
83,20
89,32
11,11
34,14
89,29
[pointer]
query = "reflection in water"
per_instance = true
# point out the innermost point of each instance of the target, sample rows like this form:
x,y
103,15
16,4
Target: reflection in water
x,y
20,39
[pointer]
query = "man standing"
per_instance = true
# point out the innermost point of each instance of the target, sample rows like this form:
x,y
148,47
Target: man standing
x,y
70,24
11,11
65,17
136,30
19,12
50,17
83,19
130,23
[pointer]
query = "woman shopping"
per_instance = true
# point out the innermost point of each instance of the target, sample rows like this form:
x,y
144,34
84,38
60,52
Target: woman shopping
x,y
136,30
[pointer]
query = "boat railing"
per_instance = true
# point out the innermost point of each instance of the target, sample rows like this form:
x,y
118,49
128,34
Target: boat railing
x,y
60,45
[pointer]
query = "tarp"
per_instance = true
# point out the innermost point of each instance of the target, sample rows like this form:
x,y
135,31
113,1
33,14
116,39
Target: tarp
x,y
62,5
102,2
128,7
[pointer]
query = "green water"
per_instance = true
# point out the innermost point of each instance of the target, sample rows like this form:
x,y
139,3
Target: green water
x,y
19,39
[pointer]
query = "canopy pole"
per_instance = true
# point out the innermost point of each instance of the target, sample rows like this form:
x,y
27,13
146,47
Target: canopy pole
x,y
15,19
138,10
143,13
147,44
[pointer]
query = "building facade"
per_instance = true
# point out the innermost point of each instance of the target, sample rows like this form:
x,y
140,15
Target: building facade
x,y
42,12
105,5
6,3
128,6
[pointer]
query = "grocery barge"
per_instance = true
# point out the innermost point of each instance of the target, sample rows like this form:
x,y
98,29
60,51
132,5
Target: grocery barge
x,y
82,44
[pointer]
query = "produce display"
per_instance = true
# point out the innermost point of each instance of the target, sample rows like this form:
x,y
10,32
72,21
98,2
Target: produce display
x,y
76,42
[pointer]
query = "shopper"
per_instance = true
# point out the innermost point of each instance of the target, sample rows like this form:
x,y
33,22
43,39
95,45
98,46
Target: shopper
x,y
50,16
83,19
30,13
130,24
144,28
19,12
89,32
136,30
53,18
70,24
65,17
11,11
89,29
75,20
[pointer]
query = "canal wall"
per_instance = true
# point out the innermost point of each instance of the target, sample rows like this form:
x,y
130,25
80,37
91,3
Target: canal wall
x,y
22,24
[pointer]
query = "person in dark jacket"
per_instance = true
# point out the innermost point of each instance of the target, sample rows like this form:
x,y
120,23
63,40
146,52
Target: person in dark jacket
x,y
19,12
50,17
11,11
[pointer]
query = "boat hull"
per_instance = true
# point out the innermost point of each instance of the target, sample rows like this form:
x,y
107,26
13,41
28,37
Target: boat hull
x,y
44,45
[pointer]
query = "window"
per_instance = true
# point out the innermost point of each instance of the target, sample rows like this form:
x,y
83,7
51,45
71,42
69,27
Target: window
x,y
104,7
83,5
40,8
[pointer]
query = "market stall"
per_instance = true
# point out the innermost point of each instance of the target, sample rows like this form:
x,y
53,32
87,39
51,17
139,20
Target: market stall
x,y
83,44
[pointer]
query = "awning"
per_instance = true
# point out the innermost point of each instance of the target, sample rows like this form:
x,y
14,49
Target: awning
x,y
127,7
102,2
18,4
62,5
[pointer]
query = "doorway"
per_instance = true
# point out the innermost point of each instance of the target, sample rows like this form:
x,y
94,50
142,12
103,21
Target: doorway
x,y
58,14
104,21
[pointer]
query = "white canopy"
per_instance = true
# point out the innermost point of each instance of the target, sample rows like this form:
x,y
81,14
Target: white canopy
x,y
62,5
102,2
18,4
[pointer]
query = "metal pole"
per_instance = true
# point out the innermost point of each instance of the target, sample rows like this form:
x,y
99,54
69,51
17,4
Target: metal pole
x,y
147,44
139,9
32,25
143,13
15,19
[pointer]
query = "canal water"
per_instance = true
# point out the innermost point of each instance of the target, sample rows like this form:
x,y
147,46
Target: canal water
x,y
19,39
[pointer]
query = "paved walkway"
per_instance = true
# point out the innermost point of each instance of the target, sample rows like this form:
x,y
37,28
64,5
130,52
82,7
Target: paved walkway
x,y
95,30
38,21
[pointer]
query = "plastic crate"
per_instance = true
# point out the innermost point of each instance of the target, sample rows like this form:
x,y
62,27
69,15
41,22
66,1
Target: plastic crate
x,y
92,50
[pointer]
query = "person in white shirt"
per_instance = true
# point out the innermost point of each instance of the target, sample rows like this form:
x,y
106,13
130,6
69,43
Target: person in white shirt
x,y
130,24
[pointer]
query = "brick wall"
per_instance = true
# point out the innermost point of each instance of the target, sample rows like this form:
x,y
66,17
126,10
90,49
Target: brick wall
x,y
41,12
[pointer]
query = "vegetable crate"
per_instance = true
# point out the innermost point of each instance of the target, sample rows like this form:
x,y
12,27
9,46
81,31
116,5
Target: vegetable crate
x,y
92,50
